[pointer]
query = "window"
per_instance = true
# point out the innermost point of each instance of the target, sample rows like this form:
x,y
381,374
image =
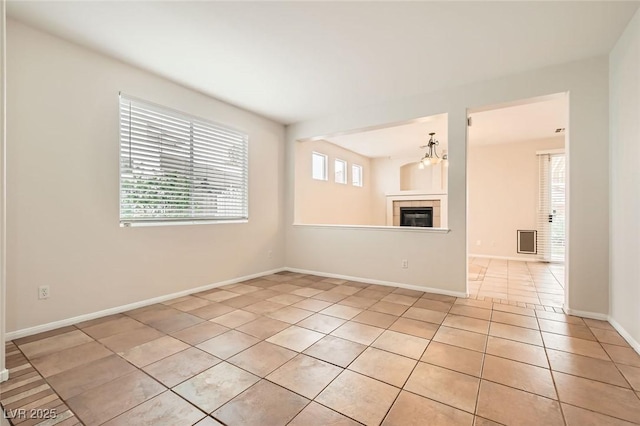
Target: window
x,y
319,166
175,167
356,175
340,171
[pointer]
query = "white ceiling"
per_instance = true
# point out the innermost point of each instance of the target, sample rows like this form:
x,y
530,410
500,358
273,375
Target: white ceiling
x,y
399,141
537,120
293,61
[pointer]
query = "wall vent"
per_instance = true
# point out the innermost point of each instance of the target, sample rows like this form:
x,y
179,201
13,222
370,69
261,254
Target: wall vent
x,y
527,241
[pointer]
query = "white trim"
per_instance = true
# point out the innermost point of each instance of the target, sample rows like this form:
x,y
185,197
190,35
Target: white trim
x,y
380,282
376,228
630,340
118,309
4,375
521,259
586,314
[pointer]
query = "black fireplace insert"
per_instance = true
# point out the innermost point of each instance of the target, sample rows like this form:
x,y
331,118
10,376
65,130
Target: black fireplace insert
x,y
416,216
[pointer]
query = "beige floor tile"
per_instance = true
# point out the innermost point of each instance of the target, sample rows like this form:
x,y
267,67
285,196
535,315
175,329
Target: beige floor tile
x,y
287,299
341,311
461,338
401,344
511,406
414,410
454,358
124,341
513,309
286,288
384,366
417,328
262,404
518,375
576,416
603,325
200,332
228,344
357,302
290,314
235,319
467,323
295,338
475,303
241,301
263,327
336,351
212,311
427,315
321,323
517,351
153,351
359,397
63,360
632,374
164,409
471,311
328,296
433,305
181,366
519,334
219,295
400,299
566,329
376,319
359,333
262,358
446,386
109,328
175,322
263,307
312,305
80,379
515,319
574,345
306,292
107,401
554,316
603,398
622,355
389,308
610,337
54,344
191,304
214,387
315,414
587,367
305,375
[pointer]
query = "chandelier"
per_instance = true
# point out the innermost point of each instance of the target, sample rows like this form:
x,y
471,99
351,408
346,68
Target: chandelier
x,y
431,156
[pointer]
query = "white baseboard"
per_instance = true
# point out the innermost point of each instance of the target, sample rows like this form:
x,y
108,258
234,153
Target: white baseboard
x,y
380,282
520,259
630,340
587,314
123,308
4,375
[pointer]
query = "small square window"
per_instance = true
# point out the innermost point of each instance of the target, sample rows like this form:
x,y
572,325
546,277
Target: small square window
x,y
340,171
319,166
356,175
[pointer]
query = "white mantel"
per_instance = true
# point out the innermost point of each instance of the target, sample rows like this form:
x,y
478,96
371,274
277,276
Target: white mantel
x,y
417,196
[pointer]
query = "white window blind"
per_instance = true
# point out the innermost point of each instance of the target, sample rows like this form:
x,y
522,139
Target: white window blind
x,y
340,171
174,167
356,175
551,207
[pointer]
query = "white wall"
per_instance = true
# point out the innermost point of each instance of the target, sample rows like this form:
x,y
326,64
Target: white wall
x,y
4,375
439,260
328,202
503,194
62,195
624,63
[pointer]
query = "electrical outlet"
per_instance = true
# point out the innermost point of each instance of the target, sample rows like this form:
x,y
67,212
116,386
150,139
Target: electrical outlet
x,y
43,292
270,254
405,263
478,242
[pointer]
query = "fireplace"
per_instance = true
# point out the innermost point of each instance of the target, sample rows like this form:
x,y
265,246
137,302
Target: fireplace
x,y
416,216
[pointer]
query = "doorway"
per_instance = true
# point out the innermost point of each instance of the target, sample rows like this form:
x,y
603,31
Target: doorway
x,y
516,213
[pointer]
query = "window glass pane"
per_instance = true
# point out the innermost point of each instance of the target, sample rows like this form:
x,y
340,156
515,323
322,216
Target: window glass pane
x,y
319,166
356,175
341,171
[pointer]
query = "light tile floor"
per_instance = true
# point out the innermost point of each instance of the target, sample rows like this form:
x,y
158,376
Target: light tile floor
x,y
306,350
517,283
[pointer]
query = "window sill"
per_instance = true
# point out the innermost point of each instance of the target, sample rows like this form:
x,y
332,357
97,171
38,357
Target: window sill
x,y
377,228
181,223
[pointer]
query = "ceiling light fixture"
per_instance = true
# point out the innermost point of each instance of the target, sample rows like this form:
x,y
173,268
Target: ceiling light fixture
x,y
431,156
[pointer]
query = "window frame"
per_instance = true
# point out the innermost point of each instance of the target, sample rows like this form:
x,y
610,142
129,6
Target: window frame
x,y
325,172
360,174
345,177
156,149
